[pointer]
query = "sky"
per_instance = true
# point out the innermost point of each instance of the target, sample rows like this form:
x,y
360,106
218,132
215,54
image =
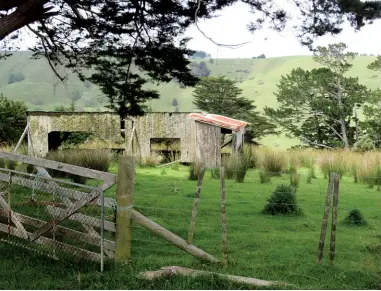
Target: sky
x,y
231,28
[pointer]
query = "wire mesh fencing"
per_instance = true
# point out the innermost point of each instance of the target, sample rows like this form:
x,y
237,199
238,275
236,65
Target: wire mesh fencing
x,y
54,217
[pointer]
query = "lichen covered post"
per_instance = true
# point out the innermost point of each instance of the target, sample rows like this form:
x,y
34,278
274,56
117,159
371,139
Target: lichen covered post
x,y
195,205
125,200
325,217
223,216
332,248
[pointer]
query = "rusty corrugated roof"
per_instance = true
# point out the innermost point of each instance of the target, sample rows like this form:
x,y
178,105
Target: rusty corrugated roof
x,y
219,120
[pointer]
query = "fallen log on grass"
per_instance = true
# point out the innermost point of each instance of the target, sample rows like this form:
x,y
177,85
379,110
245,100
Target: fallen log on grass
x,y
167,164
166,272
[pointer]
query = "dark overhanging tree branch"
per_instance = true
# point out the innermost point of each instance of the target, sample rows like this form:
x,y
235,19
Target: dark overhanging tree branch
x,y
45,44
100,35
230,46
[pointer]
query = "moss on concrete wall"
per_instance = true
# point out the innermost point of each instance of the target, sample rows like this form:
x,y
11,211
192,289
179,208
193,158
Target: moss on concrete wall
x,y
103,126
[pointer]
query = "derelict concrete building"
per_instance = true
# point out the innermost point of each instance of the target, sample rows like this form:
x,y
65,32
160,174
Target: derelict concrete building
x,y
199,135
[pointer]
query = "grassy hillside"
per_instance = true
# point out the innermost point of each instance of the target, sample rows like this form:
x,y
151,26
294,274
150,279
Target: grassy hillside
x,y
257,77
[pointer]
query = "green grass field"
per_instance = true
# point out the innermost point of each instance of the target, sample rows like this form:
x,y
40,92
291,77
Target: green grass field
x,y
280,248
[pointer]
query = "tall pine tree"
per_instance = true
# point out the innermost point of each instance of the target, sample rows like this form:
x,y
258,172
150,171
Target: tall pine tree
x,y
219,95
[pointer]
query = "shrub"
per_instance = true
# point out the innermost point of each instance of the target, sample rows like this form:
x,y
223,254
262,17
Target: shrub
x,y
311,171
58,156
194,171
74,138
97,159
273,162
232,166
11,165
334,162
175,166
294,180
264,176
172,158
241,173
282,201
29,168
308,160
293,162
355,217
2,163
78,179
152,160
23,149
368,169
378,177
250,157
310,175
355,173
215,173
12,119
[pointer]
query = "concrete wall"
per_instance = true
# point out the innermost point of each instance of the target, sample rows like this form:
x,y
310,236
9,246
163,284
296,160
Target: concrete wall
x,y
103,124
193,135
162,125
208,144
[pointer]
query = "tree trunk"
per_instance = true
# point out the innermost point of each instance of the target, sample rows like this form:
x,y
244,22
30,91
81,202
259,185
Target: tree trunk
x,y
344,133
357,127
25,14
342,119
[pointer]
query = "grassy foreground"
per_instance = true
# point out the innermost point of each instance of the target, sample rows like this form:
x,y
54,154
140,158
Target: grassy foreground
x,y
266,247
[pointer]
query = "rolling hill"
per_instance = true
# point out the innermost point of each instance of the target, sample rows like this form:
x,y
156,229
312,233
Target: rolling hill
x,y
41,90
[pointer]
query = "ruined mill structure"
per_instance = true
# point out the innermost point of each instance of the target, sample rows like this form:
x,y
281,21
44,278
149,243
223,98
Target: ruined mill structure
x,y
199,135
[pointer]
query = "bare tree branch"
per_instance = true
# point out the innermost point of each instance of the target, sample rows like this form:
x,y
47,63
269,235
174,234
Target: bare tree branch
x,y
304,139
230,46
78,14
46,53
315,113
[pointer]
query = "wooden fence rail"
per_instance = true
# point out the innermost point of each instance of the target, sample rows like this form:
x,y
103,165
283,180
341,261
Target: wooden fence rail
x,y
72,200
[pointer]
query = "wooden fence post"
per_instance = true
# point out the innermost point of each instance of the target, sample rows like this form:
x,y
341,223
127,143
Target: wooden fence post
x,y
325,218
223,217
195,205
125,200
336,183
